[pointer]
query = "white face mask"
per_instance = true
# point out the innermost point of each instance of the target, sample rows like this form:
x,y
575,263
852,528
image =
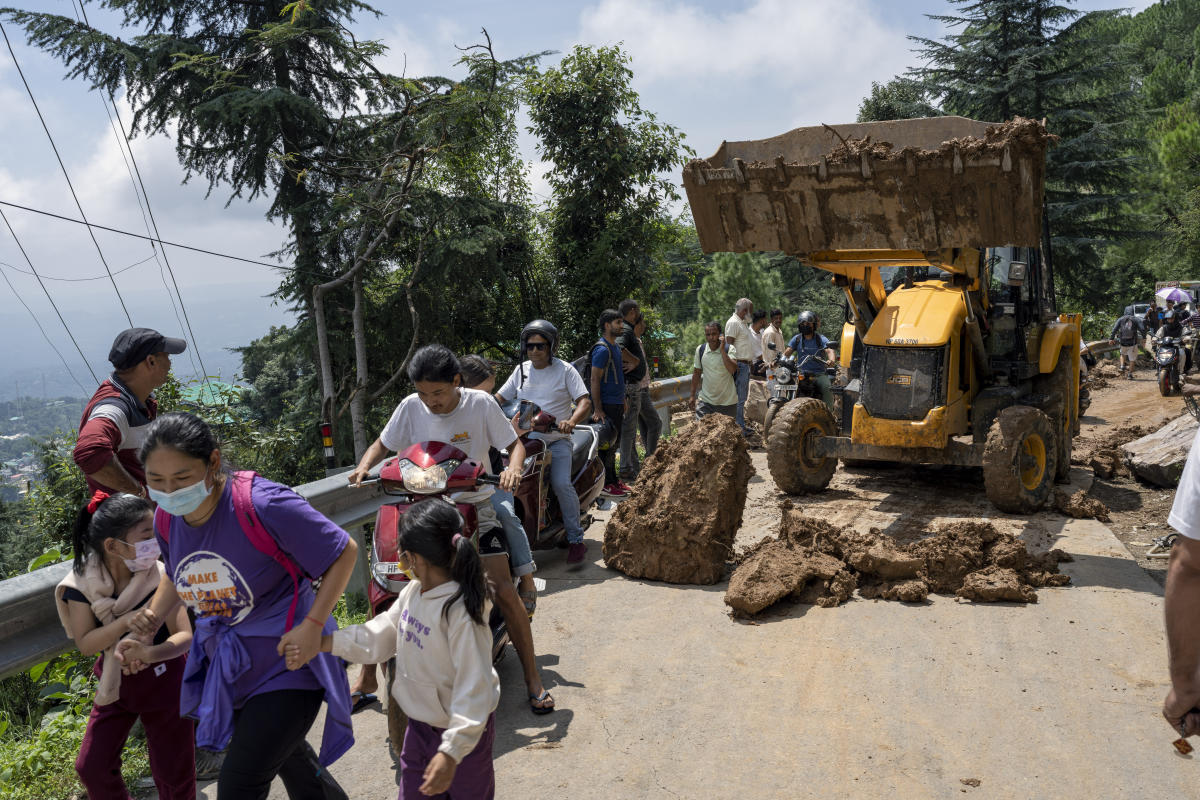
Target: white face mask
x,y
145,553
182,501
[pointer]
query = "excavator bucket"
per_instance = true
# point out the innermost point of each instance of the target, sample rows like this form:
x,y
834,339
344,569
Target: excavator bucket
x,y
914,184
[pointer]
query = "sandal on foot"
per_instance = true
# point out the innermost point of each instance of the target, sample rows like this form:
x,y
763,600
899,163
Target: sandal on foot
x,y
530,601
534,700
360,700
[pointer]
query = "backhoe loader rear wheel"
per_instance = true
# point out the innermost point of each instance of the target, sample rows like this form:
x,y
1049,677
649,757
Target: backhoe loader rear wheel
x,y
1019,460
793,466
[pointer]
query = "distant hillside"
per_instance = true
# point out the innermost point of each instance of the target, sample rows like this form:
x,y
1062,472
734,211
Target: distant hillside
x,y
36,417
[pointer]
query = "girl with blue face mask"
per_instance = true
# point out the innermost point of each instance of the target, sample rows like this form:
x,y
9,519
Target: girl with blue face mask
x,y
249,604
116,572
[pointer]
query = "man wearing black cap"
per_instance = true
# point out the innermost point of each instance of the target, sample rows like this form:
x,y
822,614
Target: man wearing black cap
x,y
117,416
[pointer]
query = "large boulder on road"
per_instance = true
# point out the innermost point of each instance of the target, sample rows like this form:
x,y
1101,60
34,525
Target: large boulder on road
x,y
680,522
756,401
1159,457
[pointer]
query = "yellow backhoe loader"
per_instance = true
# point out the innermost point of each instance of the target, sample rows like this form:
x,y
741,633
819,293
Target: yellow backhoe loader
x,y
954,349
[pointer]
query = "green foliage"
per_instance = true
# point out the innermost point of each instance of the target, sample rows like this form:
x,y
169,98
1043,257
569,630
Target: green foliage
x,y
43,716
271,446
55,500
351,609
734,276
608,224
899,98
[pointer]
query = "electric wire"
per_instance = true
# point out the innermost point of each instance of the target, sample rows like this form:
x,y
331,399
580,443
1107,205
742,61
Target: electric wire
x,y
150,238
53,305
63,167
118,129
74,280
45,336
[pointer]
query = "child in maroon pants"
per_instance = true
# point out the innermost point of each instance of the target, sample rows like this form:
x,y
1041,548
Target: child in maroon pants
x,y
116,572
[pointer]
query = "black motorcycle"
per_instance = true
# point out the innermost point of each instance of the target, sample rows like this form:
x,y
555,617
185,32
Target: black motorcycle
x,y
1168,355
788,382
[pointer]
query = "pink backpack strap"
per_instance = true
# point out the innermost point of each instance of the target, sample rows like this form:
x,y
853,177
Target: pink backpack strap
x,y
162,524
260,537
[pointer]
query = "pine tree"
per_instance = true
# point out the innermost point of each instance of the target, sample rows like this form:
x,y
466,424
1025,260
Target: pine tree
x,y
1044,60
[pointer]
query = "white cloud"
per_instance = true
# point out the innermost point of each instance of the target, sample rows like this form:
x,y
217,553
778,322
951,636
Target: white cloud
x,y
416,55
806,61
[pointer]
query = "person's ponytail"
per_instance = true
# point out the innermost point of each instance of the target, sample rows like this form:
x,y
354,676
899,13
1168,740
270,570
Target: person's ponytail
x,y
467,571
80,543
433,530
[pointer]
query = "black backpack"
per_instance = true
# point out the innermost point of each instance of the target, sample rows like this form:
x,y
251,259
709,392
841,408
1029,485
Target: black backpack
x,y
1127,332
583,364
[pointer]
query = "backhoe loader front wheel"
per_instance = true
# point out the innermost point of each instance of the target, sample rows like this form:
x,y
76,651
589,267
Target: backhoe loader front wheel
x,y
794,467
1019,460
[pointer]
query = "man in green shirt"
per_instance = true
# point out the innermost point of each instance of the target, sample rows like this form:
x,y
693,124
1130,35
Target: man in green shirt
x,y
713,369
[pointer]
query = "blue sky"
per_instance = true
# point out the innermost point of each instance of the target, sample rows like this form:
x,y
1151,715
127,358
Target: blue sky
x,y
717,70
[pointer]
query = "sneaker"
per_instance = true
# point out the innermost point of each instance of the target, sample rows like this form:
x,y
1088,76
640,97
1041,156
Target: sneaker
x,y
624,487
613,490
575,552
208,764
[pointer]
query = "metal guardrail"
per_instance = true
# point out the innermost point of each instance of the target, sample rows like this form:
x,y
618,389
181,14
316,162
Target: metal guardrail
x,y
30,632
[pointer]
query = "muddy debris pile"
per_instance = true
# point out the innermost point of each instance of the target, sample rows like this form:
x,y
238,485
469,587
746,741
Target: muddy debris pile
x,y
815,562
1080,505
680,522
1103,453
1017,136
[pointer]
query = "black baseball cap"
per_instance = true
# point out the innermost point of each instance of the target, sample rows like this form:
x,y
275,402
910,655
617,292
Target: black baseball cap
x,y
134,344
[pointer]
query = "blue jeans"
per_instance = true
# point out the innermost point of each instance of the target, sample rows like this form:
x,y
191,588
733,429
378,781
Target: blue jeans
x,y
742,381
564,488
520,557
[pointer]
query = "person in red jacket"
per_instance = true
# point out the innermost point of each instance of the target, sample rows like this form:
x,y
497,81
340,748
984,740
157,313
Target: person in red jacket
x,y
117,416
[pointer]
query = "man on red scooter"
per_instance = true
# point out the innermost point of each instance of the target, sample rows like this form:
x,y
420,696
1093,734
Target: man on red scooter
x,y
554,386
442,411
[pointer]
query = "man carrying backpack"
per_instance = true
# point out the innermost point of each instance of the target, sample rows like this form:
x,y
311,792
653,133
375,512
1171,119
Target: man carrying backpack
x,y
606,383
1125,334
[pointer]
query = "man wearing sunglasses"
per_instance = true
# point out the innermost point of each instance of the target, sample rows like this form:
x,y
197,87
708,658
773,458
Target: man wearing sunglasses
x,y
554,386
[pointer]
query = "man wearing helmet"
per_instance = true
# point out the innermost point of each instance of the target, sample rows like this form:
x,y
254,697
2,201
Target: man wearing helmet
x,y
1172,326
807,342
554,386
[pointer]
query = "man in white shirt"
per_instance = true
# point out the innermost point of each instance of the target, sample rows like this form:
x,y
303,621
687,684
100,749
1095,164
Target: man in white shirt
x,y
737,333
555,387
1182,602
774,333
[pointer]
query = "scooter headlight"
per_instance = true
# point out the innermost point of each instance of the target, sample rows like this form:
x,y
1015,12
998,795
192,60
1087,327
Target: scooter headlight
x,y
427,480
1165,355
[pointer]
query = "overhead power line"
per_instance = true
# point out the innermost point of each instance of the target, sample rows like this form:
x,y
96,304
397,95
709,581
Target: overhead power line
x,y
63,167
44,334
118,129
149,238
53,305
74,280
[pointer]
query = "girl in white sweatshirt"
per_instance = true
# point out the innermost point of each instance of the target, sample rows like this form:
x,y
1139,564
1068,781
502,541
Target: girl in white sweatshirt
x,y
445,682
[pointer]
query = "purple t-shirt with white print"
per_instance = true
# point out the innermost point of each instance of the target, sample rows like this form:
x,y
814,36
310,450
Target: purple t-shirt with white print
x,y
219,572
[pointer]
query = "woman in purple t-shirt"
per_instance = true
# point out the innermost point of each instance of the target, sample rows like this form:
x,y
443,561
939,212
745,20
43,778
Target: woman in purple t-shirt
x,y
237,685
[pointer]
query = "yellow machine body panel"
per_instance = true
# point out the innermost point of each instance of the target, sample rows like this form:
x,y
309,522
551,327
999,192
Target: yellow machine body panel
x,y
933,431
927,315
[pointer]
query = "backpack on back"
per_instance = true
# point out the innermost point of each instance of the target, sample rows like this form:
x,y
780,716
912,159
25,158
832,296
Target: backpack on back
x,y
583,364
1127,332
259,536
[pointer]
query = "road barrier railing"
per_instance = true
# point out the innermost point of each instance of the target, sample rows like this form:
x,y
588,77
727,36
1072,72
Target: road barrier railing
x,y
30,632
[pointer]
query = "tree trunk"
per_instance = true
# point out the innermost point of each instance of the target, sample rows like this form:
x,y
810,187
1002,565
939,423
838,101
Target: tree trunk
x,y
358,400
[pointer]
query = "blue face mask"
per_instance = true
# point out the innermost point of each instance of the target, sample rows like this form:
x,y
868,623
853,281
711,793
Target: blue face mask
x,y
182,501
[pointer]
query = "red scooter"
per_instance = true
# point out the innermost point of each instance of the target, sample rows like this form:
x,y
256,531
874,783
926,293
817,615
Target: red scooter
x,y
535,501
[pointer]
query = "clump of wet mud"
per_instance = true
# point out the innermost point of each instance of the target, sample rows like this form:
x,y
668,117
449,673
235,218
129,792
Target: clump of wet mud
x,y
1103,453
815,562
1080,506
1017,135
680,522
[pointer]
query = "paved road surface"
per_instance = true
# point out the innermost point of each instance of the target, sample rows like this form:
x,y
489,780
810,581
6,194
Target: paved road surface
x,y
663,695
